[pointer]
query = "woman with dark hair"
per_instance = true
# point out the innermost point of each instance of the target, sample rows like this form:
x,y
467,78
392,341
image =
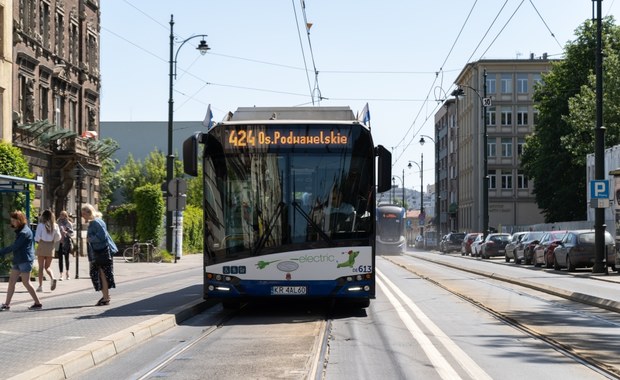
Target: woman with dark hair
x,y
23,260
102,275
46,236
66,244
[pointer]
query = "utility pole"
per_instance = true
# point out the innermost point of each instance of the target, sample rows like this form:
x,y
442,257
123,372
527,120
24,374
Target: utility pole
x,y
600,265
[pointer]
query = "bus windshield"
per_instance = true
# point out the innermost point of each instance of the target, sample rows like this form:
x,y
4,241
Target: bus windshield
x,y
261,200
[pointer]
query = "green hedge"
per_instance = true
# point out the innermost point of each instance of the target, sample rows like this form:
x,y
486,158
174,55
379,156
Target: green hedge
x,y
192,229
150,212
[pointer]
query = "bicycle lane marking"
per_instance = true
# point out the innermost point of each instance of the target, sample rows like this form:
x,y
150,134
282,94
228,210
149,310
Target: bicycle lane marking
x,y
444,368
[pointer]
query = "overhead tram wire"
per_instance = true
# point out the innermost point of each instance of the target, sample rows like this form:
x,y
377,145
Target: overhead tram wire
x,y
547,26
432,87
303,54
503,27
316,72
488,30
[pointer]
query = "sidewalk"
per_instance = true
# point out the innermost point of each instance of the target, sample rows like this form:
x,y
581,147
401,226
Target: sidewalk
x,y
70,334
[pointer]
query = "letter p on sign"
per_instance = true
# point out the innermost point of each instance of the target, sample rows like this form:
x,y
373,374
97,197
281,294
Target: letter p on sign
x,y
599,189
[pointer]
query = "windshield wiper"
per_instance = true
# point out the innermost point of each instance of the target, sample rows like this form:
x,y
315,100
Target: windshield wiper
x,y
315,226
264,237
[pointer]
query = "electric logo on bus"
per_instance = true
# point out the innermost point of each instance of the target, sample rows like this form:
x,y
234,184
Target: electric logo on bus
x,y
251,138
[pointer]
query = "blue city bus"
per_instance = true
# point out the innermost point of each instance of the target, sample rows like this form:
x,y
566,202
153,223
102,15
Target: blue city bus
x,y
390,230
289,204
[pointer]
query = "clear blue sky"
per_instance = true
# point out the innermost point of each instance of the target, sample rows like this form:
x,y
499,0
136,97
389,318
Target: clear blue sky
x,y
400,56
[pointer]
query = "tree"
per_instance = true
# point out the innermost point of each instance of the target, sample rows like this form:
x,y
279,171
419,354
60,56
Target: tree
x,y
555,154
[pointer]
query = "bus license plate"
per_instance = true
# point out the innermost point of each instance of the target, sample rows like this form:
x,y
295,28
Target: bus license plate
x,y
287,290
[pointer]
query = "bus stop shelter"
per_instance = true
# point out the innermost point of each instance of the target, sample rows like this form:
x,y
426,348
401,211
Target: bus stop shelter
x,y
12,185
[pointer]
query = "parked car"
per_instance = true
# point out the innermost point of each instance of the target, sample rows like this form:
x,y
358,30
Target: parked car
x,y
525,248
494,245
451,242
475,245
577,250
511,247
466,244
543,251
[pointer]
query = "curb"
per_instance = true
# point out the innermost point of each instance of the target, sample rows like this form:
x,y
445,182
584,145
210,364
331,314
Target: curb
x,y
572,296
92,354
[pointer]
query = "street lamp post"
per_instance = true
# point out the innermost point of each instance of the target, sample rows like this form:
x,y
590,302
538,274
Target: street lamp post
x,y
402,181
437,184
203,48
421,168
484,103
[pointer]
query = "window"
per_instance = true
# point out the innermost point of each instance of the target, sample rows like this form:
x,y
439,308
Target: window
x,y
491,118
73,43
60,35
44,23
491,85
91,53
507,147
520,146
58,110
536,78
506,179
522,181
44,110
522,115
491,148
492,179
506,83
522,87
73,115
506,117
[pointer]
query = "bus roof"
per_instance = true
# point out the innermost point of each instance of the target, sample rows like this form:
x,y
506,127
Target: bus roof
x,y
280,114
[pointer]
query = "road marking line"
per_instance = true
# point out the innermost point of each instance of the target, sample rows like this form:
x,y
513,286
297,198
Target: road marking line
x,y
466,362
444,369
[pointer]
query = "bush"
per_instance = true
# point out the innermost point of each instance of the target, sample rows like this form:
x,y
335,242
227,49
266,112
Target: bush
x,y
192,229
149,211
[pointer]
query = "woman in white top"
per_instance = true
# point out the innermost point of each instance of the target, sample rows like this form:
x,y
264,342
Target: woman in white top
x,y
46,237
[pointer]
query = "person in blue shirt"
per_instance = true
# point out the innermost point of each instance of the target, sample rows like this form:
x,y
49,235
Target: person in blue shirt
x,y
23,260
98,237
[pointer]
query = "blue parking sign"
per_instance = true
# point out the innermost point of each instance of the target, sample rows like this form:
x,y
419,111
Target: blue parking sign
x,y
599,189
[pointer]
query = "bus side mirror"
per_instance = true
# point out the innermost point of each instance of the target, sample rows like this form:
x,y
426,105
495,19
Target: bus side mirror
x,y
190,154
384,169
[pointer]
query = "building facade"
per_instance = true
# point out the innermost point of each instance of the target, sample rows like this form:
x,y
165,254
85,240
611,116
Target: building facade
x,y
56,98
6,66
446,167
510,117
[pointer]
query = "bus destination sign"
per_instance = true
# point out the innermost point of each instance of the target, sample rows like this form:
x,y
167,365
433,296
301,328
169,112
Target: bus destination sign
x,y
262,138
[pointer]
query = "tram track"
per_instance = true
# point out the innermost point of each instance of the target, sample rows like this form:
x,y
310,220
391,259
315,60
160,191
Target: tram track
x,y
563,348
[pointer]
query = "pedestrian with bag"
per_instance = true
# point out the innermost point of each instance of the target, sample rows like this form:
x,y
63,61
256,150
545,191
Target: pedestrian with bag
x,y
23,260
46,237
66,244
101,249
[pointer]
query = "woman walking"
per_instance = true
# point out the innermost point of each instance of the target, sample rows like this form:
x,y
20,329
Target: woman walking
x,y
23,260
66,244
46,236
102,275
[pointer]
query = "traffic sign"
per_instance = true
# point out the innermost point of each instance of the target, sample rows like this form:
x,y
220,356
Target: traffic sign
x,y
177,186
599,189
486,102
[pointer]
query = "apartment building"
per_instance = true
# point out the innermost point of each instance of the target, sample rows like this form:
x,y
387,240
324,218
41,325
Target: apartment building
x,y
56,96
508,117
446,167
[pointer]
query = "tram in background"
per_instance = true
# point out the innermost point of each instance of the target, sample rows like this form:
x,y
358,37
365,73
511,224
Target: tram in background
x,y
390,230
289,204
